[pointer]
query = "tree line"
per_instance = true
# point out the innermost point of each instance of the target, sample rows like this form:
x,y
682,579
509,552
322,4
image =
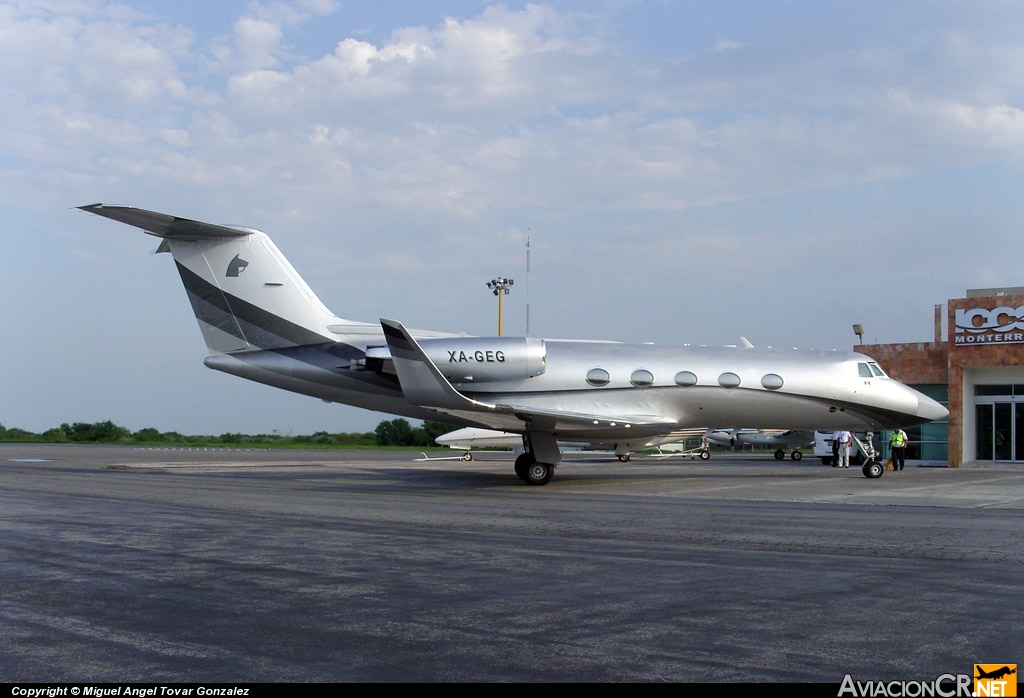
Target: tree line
x,y
395,432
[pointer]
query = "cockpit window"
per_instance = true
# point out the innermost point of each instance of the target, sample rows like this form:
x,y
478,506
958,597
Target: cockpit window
x,y
865,372
878,371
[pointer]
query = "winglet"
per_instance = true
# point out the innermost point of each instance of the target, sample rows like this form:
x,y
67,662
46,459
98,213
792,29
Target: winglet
x,y
422,382
163,225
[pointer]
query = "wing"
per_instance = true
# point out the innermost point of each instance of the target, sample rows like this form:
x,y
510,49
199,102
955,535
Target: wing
x,y
424,385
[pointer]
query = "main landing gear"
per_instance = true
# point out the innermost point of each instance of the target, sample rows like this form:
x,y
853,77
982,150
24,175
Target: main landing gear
x,y
795,455
537,465
531,472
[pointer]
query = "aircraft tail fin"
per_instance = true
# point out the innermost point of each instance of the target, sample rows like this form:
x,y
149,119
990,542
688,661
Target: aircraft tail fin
x,y
244,293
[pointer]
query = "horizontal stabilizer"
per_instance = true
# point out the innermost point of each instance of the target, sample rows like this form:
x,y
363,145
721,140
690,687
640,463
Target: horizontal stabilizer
x,y
163,225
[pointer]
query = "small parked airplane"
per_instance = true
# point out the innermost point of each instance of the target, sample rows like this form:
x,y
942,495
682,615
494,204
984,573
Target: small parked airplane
x,y
468,438
262,322
781,439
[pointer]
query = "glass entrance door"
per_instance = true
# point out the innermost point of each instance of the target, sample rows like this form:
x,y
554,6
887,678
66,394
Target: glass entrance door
x,y
1002,436
983,421
999,424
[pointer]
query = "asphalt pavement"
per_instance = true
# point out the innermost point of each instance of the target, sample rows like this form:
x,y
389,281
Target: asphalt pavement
x,y
128,564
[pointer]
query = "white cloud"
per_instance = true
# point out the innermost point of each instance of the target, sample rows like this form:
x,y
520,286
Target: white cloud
x,y
998,126
257,42
258,38
175,136
727,45
466,116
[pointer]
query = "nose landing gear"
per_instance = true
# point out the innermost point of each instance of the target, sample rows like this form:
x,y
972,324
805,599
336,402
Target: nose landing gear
x,y
873,467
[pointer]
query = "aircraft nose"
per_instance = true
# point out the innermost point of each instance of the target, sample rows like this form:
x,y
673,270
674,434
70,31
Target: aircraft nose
x,y
930,410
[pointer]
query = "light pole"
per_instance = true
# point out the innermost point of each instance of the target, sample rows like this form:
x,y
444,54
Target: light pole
x,y
499,287
859,331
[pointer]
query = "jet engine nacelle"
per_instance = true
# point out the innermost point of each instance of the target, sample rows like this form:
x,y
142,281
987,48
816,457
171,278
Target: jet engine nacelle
x,y
487,359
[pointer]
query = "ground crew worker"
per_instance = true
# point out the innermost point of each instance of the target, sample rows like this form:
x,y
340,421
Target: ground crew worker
x,y
899,448
845,440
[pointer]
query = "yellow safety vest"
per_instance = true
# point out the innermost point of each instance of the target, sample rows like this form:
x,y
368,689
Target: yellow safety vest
x,y
899,439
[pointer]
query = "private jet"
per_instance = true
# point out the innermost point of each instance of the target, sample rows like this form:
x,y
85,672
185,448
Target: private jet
x,y
262,322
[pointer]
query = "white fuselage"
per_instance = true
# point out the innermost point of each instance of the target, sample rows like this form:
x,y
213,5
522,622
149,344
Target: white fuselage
x,y
806,389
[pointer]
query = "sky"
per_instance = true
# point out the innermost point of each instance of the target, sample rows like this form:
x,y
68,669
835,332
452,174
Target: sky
x,y
685,172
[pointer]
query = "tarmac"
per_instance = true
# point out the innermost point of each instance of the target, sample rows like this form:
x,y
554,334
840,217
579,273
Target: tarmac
x,y
123,564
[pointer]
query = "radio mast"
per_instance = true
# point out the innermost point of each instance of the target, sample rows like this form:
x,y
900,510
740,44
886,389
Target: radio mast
x,y
527,284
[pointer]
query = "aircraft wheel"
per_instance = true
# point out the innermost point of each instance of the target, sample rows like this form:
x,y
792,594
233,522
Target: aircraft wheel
x,y
524,461
796,455
705,454
826,461
539,474
873,469
780,454
624,457
467,456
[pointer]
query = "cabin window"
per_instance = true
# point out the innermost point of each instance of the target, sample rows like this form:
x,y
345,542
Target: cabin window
x,y
877,369
641,378
771,381
865,372
686,378
729,380
598,377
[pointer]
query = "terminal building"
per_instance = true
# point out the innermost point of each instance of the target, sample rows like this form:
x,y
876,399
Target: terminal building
x,y
975,366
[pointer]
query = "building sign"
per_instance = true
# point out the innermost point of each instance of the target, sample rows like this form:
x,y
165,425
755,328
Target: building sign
x,y
1002,325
